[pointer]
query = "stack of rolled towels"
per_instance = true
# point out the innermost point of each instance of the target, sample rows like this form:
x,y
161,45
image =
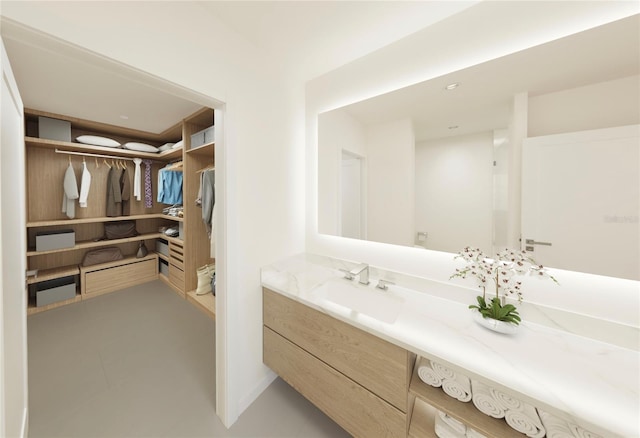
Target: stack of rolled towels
x,y
454,384
449,427
521,416
560,428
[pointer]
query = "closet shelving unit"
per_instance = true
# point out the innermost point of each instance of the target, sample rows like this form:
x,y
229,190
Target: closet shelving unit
x,y
44,172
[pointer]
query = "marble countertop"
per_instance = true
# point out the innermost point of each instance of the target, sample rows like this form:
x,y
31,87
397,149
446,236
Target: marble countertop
x,y
587,381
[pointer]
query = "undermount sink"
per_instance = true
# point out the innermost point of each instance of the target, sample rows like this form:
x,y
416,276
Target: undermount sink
x,y
378,304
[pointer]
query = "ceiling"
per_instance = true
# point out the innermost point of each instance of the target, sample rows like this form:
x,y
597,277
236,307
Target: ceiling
x,y
56,77
482,101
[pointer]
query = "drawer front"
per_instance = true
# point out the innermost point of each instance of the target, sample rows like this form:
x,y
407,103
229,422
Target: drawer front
x,y
378,365
120,277
176,254
176,276
355,409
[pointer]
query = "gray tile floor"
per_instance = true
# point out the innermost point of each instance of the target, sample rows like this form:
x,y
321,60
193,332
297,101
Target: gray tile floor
x,y
141,363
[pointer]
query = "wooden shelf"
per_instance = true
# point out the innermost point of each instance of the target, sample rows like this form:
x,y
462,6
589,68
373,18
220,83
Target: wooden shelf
x,y
93,220
163,257
205,150
464,412
101,150
206,303
53,273
32,309
175,240
423,420
97,244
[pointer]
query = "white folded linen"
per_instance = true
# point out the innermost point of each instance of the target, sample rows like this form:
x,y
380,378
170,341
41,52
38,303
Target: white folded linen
x,y
444,430
484,401
460,388
472,433
506,399
525,420
454,384
555,427
456,425
579,432
428,374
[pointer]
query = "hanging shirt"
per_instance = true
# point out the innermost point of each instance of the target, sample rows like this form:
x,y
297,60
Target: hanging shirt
x,y
84,186
70,185
169,186
137,186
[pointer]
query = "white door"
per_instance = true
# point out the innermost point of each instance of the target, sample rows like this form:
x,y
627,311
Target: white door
x,y
13,295
581,194
351,201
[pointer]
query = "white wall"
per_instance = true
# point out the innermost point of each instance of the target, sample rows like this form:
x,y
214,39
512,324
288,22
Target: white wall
x,y
391,182
454,191
481,33
182,43
340,132
601,105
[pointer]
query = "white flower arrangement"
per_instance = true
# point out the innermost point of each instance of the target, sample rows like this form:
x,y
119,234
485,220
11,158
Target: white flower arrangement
x,y
502,272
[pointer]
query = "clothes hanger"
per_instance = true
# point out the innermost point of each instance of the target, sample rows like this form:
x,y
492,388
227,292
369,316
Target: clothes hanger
x,y
97,165
105,162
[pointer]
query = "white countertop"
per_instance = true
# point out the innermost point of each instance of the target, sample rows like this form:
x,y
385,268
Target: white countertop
x,y
590,382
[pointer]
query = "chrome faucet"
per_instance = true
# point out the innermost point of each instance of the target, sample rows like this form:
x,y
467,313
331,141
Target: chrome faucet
x,y
362,270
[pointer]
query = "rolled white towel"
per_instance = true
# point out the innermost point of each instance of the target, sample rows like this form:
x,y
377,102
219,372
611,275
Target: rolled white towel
x,y
525,420
484,401
444,430
506,400
579,432
555,427
472,433
458,388
454,384
456,425
428,374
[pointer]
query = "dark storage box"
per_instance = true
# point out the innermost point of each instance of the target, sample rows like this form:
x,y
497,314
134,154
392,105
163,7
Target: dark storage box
x,y
52,291
59,239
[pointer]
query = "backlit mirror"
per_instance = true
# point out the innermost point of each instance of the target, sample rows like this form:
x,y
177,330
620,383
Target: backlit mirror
x,y
538,149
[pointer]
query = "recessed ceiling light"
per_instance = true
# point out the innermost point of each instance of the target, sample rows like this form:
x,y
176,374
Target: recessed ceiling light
x,y
123,117
452,86
454,127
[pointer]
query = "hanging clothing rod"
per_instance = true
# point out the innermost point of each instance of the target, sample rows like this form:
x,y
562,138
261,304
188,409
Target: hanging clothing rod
x,y
85,154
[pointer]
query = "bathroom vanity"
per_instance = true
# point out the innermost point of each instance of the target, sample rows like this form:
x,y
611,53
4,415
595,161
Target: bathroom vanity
x,y
351,349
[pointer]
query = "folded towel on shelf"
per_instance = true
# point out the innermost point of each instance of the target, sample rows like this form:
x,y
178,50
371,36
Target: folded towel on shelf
x,y
580,432
525,420
484,401
456,425
428,374
555,427
444,430
454,384
506,399
472,433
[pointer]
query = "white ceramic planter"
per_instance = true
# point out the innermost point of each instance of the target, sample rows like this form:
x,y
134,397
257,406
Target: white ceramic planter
x,y
507,328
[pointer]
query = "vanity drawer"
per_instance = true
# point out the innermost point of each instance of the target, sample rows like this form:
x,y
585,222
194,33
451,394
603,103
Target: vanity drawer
x,y
378,365
357,410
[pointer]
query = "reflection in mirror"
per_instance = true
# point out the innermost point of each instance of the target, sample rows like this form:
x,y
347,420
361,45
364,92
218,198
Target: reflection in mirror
x,y
527,147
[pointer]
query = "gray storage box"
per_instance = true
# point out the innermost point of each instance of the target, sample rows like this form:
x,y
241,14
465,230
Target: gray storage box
x,y
162,248
59,239
54,129
52,291
203,137
164,267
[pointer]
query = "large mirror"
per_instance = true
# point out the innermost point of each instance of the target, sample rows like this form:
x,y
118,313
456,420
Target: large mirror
x,y
538,150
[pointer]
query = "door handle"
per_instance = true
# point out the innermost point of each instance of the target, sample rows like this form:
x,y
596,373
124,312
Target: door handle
x,y
533,242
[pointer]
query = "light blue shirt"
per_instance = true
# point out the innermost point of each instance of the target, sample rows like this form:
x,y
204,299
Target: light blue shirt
x,y
169,186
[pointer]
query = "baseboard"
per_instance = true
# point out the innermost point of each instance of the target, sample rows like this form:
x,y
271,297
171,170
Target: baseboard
x,y
24,432
245,402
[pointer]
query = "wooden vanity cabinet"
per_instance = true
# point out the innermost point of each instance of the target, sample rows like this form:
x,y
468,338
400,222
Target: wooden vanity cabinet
x,y
357,379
